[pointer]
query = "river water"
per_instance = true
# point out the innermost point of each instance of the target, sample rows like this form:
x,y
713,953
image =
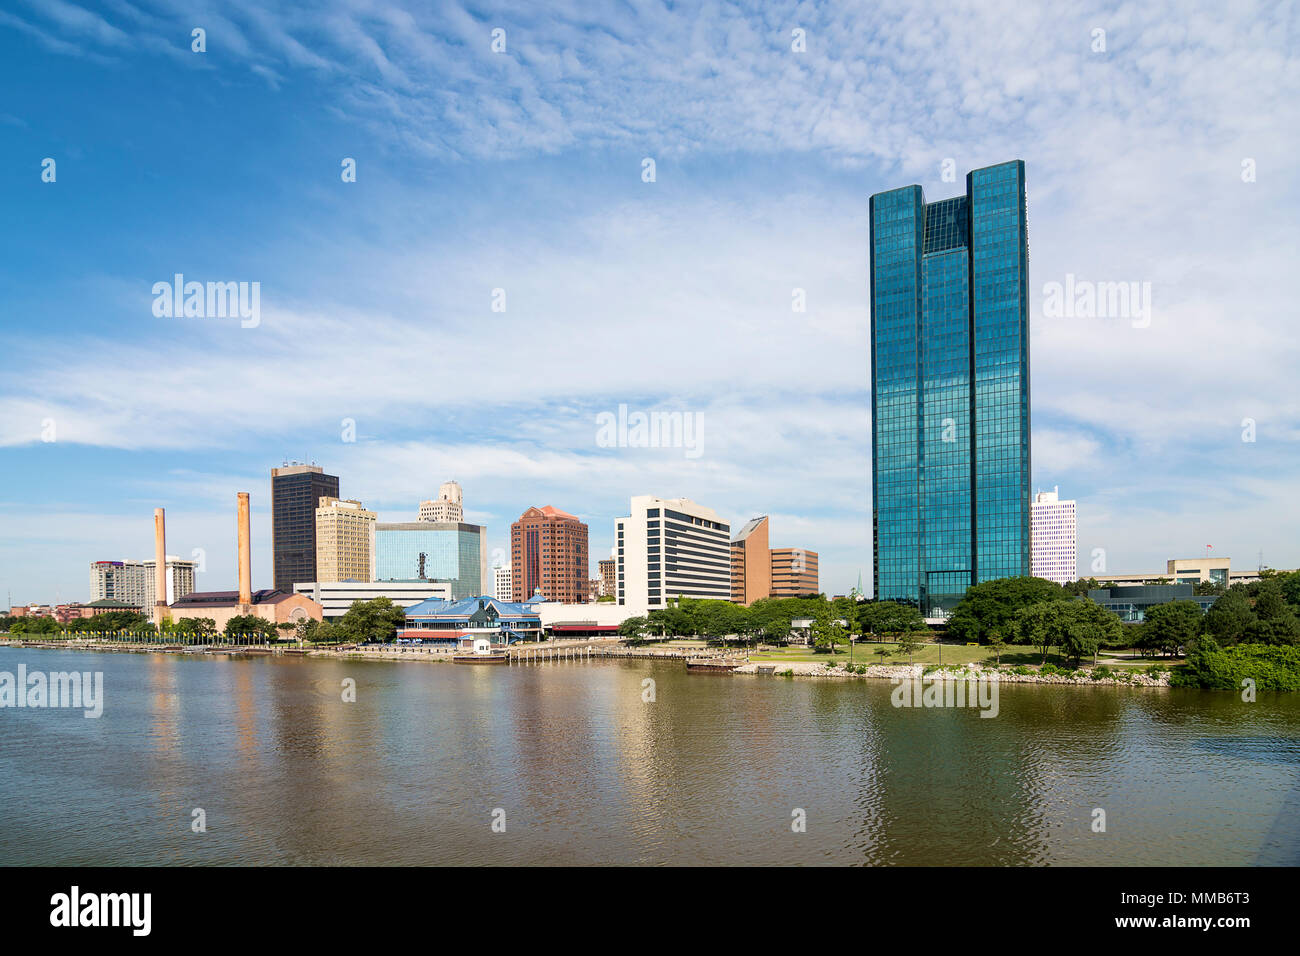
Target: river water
x,y
574,766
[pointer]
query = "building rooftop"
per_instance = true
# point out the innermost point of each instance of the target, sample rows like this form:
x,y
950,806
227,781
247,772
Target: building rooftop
x,y
224,598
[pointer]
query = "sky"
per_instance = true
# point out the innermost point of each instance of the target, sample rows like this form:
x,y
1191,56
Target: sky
x,y
504,270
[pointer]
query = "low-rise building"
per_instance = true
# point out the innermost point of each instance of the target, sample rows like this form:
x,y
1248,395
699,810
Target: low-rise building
x,y
1182,571
457,624
272,605
1131,603
336,597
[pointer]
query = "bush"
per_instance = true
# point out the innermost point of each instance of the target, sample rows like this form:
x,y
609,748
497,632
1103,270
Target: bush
x,y
1101,673
1271,666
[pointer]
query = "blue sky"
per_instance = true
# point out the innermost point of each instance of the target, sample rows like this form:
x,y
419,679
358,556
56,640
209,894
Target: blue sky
x,y
522,170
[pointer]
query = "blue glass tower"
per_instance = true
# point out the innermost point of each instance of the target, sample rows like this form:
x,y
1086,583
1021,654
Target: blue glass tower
x,y
949,388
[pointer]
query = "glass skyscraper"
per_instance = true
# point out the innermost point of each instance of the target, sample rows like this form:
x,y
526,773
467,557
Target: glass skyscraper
x,y
950,388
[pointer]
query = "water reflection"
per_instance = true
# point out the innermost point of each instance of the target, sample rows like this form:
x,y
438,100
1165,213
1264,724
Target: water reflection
x,y
587,771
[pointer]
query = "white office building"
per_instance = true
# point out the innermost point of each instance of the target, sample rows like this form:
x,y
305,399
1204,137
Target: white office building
x,y
133,582
501,583
669,548
335,597
1053,537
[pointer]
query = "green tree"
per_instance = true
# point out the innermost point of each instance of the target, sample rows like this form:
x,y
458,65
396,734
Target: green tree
x,y
1275,620
375,621
889,617
1167,627
827,633
246,624
1081,587
993,604
907,644
634,628
1229,618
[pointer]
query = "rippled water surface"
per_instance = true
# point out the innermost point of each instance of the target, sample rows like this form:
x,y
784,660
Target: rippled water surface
x,y
587,772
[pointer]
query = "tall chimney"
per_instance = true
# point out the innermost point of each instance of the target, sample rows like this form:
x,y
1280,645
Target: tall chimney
x,y
160,566
245,559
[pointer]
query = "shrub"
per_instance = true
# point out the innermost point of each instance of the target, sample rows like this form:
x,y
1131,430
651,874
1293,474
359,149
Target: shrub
x,y
1271,666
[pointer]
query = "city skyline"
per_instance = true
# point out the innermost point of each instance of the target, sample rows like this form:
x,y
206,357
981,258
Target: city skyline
x,y
759,193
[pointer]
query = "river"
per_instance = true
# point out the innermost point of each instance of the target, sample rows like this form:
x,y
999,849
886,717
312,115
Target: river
x,y
567,763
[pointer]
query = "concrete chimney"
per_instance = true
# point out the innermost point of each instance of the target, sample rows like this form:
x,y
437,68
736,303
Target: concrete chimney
x,y
160,613
245,558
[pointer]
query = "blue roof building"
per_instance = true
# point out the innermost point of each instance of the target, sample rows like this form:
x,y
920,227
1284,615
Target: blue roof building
x,y
458,623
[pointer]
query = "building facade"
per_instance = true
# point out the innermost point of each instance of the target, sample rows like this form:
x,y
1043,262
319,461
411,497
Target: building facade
x,y
1130,604
668,548
950,389
271,605
548,555
448,506
452,552
345,541
606,568
296,491
1054,536
134,582
794,572
501,583
1182,571
336,597
751,563
455,625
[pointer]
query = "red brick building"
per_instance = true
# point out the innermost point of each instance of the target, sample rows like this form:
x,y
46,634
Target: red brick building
x,y
548,552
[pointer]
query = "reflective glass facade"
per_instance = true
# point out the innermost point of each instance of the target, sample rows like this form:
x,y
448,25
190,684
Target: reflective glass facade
x,y
431,551
950,388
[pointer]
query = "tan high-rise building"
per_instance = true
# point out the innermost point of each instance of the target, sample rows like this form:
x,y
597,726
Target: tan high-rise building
x,y
448,506
345,541
548,553
794,572
751,563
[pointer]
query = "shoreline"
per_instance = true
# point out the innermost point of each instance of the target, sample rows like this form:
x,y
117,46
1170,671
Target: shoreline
x,y
590,650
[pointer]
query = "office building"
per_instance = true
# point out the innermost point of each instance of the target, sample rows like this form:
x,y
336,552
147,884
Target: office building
x,y
751,563
794,572
548,556
447,551
606,570
135,582
1131,603
1182,571
345,541
1054,536
448,506
668,548
950,389
501,586
296,491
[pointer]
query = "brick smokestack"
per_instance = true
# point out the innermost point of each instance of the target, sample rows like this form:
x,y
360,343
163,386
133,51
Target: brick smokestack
x,y
245,558
160,566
